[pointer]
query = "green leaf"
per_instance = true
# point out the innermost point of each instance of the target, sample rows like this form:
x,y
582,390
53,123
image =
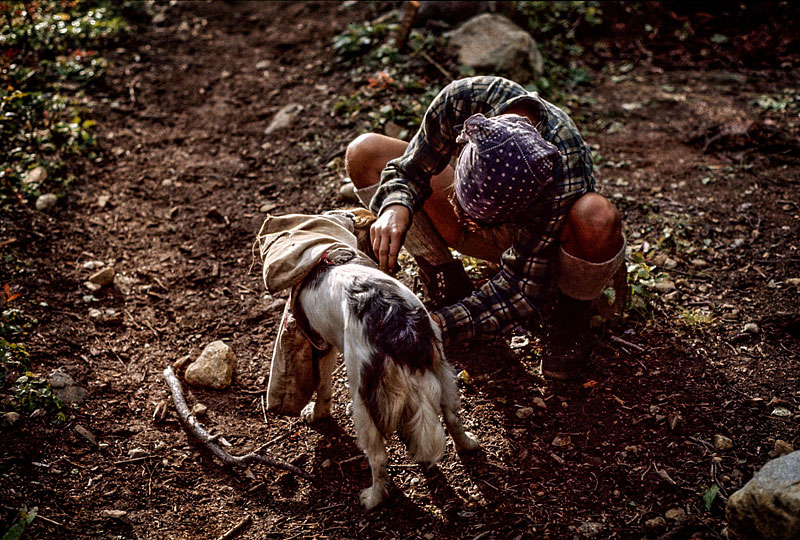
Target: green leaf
x,y
26,517
709,495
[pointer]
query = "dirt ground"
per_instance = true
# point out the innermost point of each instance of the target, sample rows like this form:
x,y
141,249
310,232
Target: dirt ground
x,y
188,174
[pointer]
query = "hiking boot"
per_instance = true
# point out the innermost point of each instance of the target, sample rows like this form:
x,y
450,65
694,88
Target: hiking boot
x,y
445,284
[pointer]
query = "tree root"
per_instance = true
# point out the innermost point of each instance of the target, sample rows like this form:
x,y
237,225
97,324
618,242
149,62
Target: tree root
x,y
210,441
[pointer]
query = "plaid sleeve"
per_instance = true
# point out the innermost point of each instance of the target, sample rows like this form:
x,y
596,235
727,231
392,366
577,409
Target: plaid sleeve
x,y
519,289
406,180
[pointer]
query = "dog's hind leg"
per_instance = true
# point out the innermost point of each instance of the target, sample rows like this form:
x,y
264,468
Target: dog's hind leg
x,y
373,444
463,440
321,408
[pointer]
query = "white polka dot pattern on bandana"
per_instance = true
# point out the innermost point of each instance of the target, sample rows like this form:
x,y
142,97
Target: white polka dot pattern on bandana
x,y
503,167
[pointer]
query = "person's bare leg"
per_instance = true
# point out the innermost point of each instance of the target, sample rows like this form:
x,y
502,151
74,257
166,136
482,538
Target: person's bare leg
x,y
593,230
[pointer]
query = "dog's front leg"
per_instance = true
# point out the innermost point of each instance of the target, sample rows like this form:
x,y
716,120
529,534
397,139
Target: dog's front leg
x,y
321,408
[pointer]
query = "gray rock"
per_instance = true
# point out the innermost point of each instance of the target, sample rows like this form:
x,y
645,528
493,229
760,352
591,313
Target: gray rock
x,y
199,409
103,277
213,368
46,202
494,44
525,412
284,117
677,514
539,402
665,286
768,506
121,515
65,388
35,176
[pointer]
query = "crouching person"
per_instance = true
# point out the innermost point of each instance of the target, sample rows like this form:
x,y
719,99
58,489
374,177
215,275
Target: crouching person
x,y
522,195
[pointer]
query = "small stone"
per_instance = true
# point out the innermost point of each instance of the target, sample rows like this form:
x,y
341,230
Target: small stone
x,y
103,277
199,409
752,328
781,449
539,402
722,443
36,175
665,286
213,368
91,265
675,514
46,202
135,453
562,441
699,263
92,287
263,64
115,514
326,464
102,200
656,524
591,529
348,193
182,361
10,417
159,18
670,263
525,412
283,118
268,207
85,433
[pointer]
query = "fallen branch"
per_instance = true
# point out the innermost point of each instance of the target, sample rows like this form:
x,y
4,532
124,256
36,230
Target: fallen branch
x,y
236,528
197,429
628,343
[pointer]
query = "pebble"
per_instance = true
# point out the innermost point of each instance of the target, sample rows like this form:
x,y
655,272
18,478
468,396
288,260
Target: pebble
x,y
677,514
11,417
656,524
103,277
781,449
102,200
115,514
268,207
539,402
199,409
752,328
722,443
159,18
95,314
698,262
134,453
525,412
591,529
560,441
46,201
180,362
665,286
263,64
326,464
36,175
92,287
91,265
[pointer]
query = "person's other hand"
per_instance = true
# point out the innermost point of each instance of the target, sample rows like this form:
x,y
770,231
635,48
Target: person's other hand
x,y
388,234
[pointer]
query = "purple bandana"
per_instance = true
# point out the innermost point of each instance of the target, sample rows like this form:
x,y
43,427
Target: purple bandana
x,y
504,166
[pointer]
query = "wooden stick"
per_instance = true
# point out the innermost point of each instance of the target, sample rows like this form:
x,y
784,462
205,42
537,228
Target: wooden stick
x,y
628,343
401,39
197,429
236,528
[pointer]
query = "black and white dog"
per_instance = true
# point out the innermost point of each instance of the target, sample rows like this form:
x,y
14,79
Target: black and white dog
x,y
398,376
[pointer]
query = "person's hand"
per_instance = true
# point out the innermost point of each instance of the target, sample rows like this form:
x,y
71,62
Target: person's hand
x,y
388,234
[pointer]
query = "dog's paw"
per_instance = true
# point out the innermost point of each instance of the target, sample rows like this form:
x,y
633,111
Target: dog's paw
x,y
311,413
467,443
373,496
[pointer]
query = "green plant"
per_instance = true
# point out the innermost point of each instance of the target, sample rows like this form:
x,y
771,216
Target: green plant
x,y
640,282
24,518
697,319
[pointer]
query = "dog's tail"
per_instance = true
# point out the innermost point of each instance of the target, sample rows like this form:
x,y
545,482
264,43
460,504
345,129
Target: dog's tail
x,y
398,384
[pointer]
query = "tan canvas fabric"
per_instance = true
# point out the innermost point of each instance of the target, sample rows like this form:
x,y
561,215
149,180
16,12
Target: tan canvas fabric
x,y
293,374
292,245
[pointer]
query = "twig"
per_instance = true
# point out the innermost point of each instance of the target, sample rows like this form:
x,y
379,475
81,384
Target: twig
x,y
48,520
435,64
236,528
197,429
628,343
401,39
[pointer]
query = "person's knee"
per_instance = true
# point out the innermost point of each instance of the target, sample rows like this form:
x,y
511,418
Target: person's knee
x,y
360,159
596,228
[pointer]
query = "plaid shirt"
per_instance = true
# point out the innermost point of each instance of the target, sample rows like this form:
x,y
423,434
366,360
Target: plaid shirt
x,y
518,290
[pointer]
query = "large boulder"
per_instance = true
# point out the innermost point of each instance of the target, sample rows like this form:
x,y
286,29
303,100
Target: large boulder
x,y
768,506
213,368
492,44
